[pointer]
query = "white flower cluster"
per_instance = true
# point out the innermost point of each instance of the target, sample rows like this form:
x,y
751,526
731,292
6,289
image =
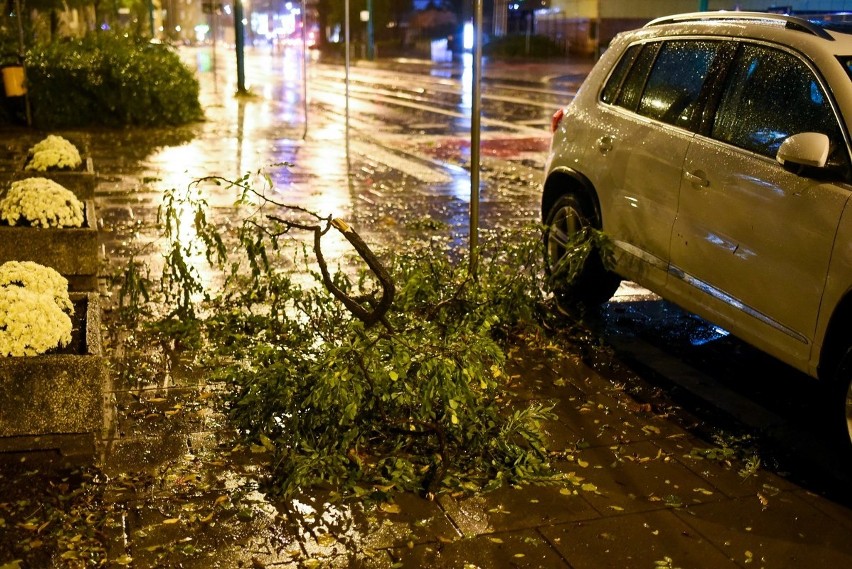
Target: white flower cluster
x,y
35,310
41,202
54,153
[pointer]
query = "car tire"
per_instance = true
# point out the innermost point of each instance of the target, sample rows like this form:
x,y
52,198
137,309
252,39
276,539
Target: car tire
x,y
568,222
841,403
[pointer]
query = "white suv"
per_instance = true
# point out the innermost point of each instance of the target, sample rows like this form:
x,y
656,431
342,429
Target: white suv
x,y
713,152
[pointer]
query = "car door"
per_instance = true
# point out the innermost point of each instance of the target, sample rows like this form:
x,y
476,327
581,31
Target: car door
x,y
752,241
641,140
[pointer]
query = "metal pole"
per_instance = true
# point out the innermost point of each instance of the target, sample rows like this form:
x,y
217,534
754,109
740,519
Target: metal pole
x,y
349,181
475,110
151,17
305,65
370,48
598,22
346,57
239,33
214,15
21,51
20,17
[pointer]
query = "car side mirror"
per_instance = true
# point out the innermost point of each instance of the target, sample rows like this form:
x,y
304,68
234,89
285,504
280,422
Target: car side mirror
x,y
804,149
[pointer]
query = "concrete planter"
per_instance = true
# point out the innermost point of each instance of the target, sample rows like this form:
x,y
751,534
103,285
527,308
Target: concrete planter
x,y
72,251
56,400
80,182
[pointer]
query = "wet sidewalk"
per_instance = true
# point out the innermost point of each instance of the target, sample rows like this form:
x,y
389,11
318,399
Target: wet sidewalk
x,y
643,487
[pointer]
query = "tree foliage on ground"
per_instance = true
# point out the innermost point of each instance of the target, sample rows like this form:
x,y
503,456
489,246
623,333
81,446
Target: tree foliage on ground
x,y
417,401
110,80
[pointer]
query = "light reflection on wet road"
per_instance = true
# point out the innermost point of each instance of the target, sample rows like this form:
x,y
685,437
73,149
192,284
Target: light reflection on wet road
x,y
398,164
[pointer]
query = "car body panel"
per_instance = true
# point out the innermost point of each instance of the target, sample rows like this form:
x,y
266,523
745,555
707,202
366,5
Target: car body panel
x,y
838,284
767,234
641,163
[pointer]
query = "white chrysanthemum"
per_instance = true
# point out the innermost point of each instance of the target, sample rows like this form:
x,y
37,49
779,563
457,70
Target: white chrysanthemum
x,y
54,153
31,323
41,202
37,279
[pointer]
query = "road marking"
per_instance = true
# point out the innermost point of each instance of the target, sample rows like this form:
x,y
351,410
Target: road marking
x,y
448,85
372,97
414,168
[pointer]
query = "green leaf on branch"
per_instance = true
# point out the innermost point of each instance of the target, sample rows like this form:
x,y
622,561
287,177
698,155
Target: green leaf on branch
x,y
418,403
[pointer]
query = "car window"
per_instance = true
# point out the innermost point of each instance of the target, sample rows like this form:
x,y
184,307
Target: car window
x,y
770,95
617,77
632,87
846,62
675,82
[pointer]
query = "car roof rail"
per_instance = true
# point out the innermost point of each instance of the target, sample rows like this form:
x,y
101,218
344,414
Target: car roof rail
x,y
790,22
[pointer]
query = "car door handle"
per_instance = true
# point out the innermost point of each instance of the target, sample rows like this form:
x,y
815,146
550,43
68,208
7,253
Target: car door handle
x,y
604,144
697,178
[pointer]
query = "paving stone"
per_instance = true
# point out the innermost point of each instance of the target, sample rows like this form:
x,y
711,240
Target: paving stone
x,y
727,478
510,550
638,477
164,411
511,508
199,533
132,454
778,531
647,539
403,521
837,512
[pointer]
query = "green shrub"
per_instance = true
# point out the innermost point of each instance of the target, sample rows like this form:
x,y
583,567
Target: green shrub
x,y
417,402
109,80
518,45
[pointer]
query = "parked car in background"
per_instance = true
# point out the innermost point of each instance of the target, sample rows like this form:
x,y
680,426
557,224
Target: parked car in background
x,y
713,152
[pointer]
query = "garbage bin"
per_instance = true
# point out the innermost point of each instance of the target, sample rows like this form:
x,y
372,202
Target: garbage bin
x,y
13,80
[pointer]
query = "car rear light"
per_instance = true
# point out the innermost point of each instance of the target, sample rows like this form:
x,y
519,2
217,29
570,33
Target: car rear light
x,y
556,119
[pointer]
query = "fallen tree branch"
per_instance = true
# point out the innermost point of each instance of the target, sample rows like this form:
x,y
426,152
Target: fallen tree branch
x,y
378,312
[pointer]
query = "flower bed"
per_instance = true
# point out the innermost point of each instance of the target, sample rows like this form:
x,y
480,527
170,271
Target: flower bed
x,y
56,400
59,160
53,153
73,251
35,310
40,202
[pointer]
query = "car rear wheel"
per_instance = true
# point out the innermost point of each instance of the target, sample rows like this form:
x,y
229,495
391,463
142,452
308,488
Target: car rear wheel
x,y
841,402
848,406
576,272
